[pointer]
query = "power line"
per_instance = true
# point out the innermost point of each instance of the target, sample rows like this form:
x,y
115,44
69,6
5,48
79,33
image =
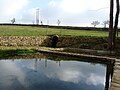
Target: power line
x,y
99,9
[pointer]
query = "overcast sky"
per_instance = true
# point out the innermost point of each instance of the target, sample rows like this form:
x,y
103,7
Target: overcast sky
x,y
69,12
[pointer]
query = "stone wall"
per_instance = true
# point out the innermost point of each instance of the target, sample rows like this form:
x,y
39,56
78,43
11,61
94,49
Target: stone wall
x,y
81,42
24,41
76,42
85,42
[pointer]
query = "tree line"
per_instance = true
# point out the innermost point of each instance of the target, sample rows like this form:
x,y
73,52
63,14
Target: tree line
x,y
104,23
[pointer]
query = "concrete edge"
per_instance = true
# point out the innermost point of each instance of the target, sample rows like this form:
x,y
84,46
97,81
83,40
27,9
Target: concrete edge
x,y
102,58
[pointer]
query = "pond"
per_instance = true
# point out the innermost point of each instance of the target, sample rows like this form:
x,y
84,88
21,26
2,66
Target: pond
x,y
48,74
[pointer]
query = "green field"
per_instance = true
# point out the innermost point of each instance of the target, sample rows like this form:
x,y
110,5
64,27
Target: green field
x,y
38,31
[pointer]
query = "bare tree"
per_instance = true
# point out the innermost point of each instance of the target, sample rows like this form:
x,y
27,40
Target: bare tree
x,y
116,23
58,22
110,40
113,30
95,23
13,20
105,23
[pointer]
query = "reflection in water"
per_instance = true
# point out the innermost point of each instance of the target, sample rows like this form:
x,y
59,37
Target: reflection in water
x,y
44,74
109,73
35,70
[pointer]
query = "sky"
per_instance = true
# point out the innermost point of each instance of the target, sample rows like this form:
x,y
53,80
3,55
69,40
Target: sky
x,y
69,12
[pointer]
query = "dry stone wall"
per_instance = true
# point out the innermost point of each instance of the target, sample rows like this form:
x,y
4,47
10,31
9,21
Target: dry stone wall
x,y
77,42
24,41
85,42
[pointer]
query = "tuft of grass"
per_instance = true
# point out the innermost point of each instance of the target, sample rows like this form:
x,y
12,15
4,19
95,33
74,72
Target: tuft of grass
x,y
25,51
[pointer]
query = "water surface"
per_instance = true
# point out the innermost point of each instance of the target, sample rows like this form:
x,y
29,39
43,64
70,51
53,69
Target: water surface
x,y
46,74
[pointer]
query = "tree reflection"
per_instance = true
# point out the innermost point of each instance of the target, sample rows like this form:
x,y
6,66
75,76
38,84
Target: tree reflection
x,y
109,73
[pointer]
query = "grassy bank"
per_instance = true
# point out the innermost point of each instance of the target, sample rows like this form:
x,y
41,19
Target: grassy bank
x,y
38,31
11,52
5,53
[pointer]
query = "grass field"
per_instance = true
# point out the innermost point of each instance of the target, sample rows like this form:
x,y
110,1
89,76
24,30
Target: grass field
x,y
38,31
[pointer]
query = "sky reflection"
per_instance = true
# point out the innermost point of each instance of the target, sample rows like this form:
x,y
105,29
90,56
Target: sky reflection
x,y
42,74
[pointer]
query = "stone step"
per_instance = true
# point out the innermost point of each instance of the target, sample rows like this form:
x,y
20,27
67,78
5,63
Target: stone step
x,y
114,88
115,85
116,75
118,64
117,81
116,67
117,61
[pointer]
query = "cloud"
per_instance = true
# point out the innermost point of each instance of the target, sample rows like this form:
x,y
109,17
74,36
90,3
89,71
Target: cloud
x,y
98,4
28,16
52,3
11,73
76,12
95,79
70,12
70,76
73,6
79,6
9,8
